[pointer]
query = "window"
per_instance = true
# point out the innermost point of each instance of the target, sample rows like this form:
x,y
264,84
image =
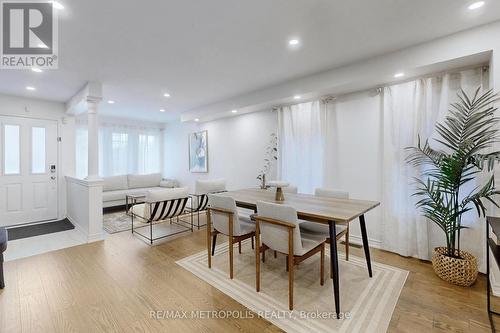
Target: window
x,y
123,149
119,145
149,154
12,154
38,150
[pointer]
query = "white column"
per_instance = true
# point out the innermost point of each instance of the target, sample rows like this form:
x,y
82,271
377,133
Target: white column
x,y
93,139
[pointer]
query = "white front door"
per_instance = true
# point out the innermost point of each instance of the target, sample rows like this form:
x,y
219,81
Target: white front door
x,y
28,170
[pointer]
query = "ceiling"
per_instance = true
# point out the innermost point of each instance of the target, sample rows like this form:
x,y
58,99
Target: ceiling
x,y
203,52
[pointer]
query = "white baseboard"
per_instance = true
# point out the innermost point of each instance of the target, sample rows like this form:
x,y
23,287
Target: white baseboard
x,y
96,237
88,238
359,241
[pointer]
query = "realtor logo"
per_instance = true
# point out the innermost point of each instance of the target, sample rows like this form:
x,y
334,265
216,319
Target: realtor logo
x,y
28,35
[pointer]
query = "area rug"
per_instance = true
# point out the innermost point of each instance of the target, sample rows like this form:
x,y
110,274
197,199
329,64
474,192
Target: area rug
x,y
367,303
116,222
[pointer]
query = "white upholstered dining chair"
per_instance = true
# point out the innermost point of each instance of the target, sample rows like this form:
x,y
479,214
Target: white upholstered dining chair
x,y
277,228
198,201
223,216
323,229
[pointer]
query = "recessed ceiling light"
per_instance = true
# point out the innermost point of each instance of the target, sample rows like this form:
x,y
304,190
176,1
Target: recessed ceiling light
x,y
476,5
297,97
111,102
166,94
30,88
401,74
36,70
293,42
234,111
162,110
196,119
57,5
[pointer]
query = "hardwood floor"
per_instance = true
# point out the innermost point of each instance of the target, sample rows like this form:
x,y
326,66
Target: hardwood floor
x,y
112,286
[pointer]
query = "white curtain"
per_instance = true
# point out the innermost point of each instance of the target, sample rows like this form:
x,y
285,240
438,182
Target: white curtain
x,y
123,149
411,109
301,136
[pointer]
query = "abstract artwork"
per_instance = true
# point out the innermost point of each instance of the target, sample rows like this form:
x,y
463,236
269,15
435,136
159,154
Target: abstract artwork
x,y
198,152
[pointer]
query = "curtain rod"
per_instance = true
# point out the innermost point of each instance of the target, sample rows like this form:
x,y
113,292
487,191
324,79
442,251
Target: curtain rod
x,y
379,88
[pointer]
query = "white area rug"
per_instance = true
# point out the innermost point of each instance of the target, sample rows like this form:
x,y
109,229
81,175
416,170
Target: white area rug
x,y
367,304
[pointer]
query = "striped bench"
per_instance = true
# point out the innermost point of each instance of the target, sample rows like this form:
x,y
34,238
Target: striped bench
x,y
3,247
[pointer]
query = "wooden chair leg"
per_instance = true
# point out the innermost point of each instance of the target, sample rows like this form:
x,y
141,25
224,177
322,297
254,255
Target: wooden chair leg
x,y
239,247
231,250
286,263
257,257
347,244
322,266
331,272
275,254
214,240
290,270
209,230
253,247
263,254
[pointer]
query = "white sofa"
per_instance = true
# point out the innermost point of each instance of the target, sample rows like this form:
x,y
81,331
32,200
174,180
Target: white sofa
x,y
117,187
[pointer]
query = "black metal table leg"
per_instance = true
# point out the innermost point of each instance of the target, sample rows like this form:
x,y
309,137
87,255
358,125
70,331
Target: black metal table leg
x,y
334,262
151,230
365,244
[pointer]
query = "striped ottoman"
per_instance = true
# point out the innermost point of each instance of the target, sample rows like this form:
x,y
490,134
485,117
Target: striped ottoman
x,y
3,247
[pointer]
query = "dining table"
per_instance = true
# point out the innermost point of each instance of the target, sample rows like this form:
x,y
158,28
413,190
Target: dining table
x,y
324,210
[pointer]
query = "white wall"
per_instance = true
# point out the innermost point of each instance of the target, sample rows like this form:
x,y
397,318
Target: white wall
x,y
33,108
236,149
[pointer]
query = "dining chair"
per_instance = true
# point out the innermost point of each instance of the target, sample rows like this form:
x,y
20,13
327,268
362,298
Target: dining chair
x,y
277,227
198,201
323,229
222,214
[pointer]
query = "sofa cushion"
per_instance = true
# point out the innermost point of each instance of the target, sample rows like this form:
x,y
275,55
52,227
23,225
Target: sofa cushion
x,y
166,194
142,181
210,186
115,183
168,183
120,194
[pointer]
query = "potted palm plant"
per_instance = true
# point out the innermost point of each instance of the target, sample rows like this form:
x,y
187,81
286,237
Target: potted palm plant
x,y
444,193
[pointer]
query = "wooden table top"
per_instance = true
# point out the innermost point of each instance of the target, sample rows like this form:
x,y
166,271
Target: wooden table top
x,y
309,207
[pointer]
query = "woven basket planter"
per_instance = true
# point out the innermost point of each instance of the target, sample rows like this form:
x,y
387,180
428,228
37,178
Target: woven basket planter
x,y
462,272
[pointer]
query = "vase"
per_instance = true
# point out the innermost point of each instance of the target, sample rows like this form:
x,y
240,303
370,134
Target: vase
x,y
279,194
461,271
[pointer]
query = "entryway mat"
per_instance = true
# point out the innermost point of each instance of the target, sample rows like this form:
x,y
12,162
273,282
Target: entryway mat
x,y
39,229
